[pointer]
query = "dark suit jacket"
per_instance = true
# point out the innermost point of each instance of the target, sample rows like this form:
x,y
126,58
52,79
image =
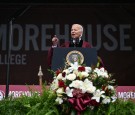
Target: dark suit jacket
x,y
82,43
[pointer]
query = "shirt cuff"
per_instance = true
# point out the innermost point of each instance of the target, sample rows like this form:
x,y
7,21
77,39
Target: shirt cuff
x,y
54,46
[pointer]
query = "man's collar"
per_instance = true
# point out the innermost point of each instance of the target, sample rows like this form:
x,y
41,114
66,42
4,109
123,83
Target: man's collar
x,y
74,40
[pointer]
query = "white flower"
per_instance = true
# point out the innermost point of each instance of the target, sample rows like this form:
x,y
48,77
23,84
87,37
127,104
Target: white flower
x,y
75,72
88,69
110,87
76,84
97,94
59,100
106,100
88,87
60,91
69,92
71,77
74,66
101,72
70,69
66,71
54,84
83,74
113,98
59,77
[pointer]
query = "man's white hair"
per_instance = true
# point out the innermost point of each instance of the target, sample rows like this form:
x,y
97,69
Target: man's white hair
x,y
81,27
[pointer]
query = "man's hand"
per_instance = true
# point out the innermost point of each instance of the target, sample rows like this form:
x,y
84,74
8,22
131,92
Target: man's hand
x,y
55,40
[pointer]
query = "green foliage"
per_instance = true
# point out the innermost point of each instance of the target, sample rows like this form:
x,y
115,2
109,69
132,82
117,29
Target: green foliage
x,y
120,107
12,107
51,71
123,108
44,104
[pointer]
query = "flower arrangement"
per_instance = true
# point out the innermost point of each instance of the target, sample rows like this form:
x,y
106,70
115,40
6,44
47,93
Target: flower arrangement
x,y
81,87
92,94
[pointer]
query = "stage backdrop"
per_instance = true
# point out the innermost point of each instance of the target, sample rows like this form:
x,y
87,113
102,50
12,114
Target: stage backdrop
x,y
109,28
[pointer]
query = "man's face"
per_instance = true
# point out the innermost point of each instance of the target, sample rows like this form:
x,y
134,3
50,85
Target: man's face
x,y
76,31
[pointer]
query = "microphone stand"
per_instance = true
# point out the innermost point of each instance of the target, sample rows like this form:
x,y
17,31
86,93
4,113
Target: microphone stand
x,y
17,14
9,54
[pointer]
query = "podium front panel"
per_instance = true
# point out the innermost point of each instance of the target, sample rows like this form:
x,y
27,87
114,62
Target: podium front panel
x,y
60,54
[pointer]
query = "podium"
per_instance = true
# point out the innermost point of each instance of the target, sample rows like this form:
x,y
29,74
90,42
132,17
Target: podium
x,y
88,56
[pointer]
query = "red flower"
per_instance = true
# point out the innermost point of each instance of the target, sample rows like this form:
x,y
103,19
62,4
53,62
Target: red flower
x,y
58,71
63,74
81,68
62,84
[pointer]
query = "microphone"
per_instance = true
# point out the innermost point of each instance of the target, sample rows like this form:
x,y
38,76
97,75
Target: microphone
x,y
74,42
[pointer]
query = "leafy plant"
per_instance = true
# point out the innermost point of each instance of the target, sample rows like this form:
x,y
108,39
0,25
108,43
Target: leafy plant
x,y
44,104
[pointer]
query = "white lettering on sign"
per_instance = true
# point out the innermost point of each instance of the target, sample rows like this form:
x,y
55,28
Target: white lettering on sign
x,y
33,37
126,95
2,94
18,59
20,93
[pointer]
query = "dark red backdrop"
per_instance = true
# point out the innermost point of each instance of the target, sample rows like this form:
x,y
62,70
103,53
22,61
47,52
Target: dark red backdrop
x,y
109,28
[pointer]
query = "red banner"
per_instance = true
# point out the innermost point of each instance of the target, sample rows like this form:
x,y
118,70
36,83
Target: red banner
x,y
123,92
